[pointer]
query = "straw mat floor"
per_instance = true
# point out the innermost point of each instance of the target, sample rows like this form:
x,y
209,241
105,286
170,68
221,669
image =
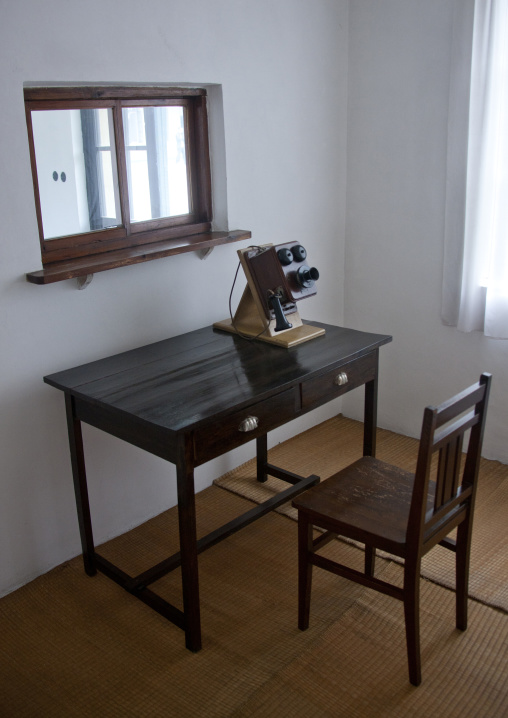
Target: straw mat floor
x,y
73,646
326,448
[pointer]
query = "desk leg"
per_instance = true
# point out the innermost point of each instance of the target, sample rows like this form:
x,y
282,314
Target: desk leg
x,y
80,486
370,416
188,547
262,457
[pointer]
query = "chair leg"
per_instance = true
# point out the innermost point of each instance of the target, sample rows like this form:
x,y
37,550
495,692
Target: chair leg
x,y
412,619
462,558
304,570
370,560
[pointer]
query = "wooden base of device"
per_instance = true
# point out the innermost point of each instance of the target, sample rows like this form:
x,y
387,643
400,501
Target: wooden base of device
x,y
288,338
249,323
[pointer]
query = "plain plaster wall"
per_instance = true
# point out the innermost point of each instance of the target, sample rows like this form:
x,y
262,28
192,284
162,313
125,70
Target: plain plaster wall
x,y
399,72
281,68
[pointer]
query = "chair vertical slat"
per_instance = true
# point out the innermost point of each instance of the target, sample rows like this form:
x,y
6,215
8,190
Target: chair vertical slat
x,y
447,480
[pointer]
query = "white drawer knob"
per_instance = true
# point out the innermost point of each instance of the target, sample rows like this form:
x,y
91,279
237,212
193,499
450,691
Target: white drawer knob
x,y
341,379
249,424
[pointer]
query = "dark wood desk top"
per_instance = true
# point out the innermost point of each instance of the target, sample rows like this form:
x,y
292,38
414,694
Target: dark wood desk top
x,y
197,396
179,383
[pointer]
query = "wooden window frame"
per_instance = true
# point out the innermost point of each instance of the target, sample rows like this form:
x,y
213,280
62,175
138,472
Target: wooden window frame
x,y
131,242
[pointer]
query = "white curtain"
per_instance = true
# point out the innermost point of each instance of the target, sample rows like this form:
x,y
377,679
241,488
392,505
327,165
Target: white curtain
x,y
475,281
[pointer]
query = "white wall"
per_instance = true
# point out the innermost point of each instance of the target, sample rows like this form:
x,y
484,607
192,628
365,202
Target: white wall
x,y
399,69
283,70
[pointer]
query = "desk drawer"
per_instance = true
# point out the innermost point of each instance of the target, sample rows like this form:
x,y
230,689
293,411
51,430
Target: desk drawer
x,y
243,426
338,381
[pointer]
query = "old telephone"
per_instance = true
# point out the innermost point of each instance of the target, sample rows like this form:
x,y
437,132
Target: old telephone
x,y
277,276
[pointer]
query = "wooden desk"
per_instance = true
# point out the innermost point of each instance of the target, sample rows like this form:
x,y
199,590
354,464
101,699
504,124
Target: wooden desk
x,y
187,399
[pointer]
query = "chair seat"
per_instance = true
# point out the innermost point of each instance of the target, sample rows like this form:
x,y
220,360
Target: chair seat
x,y
369,499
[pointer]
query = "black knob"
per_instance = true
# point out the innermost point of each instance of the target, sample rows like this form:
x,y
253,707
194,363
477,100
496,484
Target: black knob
x,y
285,256
299,253
306,276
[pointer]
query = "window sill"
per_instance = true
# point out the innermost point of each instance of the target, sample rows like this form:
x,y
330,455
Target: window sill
x,y
58,271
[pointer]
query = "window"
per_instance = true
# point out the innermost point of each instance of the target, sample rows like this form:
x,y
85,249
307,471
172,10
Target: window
x,y
475,286
120,175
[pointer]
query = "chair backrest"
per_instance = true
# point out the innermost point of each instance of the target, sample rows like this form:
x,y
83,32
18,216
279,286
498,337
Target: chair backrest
x,y
445,488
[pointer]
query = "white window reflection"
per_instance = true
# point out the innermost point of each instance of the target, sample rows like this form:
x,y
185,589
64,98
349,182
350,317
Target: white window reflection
x,y
156,162
76,170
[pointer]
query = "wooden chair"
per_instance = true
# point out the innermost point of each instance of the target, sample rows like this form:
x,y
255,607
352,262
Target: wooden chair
x,y
404,514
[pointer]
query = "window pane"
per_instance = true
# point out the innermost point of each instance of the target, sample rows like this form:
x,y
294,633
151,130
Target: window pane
x,y
103,117
78,189
107,186
162,187
134,126
139,186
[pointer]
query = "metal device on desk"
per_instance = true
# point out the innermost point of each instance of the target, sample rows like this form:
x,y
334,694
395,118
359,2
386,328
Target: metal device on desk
x,y
278,276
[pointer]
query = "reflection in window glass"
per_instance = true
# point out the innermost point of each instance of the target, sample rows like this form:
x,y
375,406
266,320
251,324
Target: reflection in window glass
x,y
103,127
134,126
77,144
139,185
156,162
107,186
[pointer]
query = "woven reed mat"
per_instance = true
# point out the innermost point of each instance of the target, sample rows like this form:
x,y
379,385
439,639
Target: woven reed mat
x,y
325,449
78,647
